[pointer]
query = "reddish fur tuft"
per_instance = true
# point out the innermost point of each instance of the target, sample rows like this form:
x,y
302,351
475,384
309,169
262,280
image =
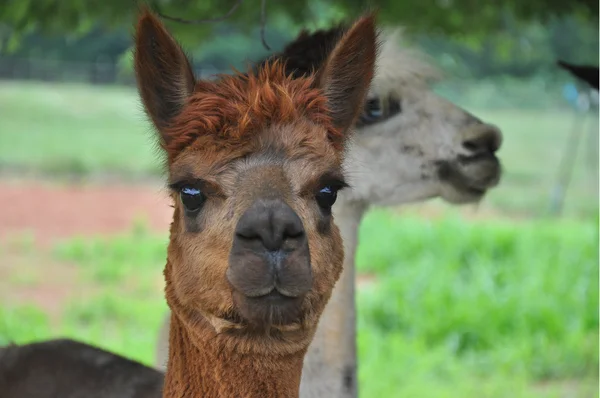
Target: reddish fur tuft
x,y
225,113
239,106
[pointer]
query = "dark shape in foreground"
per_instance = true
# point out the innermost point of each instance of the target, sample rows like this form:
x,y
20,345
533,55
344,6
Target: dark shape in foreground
x,y
70,369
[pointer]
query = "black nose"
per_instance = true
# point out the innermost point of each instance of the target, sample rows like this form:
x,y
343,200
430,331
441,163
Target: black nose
x,y
270,223
487,140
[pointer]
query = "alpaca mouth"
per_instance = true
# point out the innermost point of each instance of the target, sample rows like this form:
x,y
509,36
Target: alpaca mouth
x,y
469,178
275,296
269,310
271,292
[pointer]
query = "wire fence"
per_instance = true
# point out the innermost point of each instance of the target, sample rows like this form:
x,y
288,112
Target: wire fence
x,y
50,70
97,73
492,93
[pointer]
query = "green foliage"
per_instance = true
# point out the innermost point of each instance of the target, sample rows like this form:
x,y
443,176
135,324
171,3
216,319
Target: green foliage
x,y
72,47
135,252
518,50
481,301
516,47
22,324
429,15
488,273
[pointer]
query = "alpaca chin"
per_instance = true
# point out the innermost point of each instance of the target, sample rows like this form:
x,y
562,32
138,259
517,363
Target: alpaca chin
x,y
468,181
271,310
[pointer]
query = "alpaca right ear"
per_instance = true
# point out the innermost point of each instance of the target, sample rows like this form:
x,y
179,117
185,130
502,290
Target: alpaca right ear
x,y
164,76
346,75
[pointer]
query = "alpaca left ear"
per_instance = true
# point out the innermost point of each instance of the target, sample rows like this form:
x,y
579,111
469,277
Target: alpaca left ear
x,y
346,75
164,75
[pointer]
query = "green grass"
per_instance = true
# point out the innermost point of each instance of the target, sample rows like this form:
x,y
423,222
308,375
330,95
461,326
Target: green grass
x,y
476,305
122,304
61,128
71,128
460,308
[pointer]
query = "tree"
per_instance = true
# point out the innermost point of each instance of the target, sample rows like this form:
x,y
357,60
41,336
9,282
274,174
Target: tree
x,y
451,17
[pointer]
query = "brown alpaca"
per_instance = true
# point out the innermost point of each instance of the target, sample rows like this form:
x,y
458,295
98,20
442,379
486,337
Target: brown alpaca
x,y
254,165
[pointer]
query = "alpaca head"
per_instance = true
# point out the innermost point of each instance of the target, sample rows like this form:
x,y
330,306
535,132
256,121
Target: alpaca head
x,y
410,143
414,143
254,166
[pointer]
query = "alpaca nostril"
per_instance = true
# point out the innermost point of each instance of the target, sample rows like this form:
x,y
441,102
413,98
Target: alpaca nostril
x,y
247,235
470,145
487,142
272,223
293,230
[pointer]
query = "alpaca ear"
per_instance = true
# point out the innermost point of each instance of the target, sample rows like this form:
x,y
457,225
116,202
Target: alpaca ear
x,y
588,74
346,75
164,76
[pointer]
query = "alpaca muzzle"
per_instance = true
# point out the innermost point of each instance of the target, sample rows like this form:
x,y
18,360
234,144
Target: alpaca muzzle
x,y
269,264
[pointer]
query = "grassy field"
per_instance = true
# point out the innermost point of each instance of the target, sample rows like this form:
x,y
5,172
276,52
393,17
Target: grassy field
x,y
458,309
82,129
74,128
487,308
502,306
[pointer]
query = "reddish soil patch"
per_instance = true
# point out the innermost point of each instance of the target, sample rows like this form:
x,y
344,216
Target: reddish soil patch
x,y
52,211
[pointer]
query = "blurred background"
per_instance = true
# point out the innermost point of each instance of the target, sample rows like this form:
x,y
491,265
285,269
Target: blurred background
x,y
494,300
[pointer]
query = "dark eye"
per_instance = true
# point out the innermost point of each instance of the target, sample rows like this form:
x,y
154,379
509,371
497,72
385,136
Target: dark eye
x,y
373,108
372,111
326,197
192,198
394,106
376,110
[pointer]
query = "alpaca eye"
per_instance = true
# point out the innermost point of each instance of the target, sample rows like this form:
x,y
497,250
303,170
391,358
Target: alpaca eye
x,y
372,112
192,198
373,108
326,197
395,107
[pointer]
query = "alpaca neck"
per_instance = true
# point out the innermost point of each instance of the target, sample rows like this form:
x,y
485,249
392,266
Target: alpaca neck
x,y
200,365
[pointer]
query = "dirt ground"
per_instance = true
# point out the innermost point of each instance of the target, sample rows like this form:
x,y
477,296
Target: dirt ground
x,y
51,211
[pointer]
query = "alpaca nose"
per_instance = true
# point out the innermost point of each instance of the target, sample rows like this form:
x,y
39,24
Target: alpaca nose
x,y
484,140
270,252
270,224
